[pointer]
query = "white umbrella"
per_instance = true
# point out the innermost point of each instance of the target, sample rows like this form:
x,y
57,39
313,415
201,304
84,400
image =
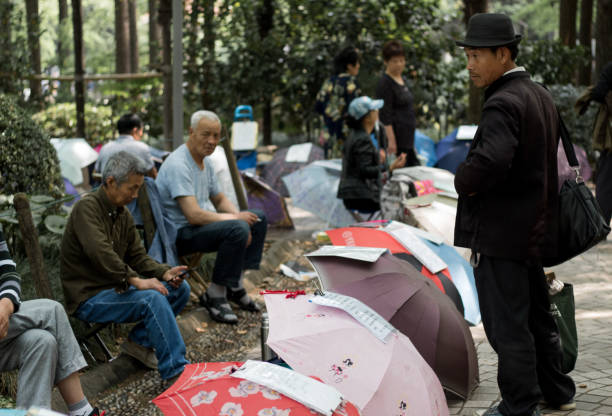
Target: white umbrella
x,y
74,154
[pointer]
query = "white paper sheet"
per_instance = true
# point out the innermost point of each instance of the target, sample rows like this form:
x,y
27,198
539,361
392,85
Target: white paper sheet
x,y
365,315
466,132
418,249
434,238
369,254
313,394
298,153
244,135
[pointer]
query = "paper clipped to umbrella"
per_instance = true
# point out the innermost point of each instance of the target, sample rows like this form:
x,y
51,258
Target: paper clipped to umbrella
x,y
419,250
318,396
298,153
434,238
369,254
365,315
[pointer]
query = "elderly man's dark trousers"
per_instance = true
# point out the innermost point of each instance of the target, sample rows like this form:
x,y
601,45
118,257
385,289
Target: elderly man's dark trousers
x,y
229,240
515,311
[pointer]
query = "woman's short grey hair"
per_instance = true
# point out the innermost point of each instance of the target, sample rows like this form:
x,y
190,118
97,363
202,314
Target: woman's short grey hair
x,y
199,115
121,165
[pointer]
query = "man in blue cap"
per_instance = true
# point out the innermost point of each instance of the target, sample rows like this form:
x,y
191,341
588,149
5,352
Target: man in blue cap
x,y
506,214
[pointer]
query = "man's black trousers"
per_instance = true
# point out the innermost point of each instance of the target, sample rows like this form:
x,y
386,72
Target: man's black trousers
x,y
515,311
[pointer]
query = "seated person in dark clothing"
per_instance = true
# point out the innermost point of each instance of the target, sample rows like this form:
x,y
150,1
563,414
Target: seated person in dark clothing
x,y
207,221
364,158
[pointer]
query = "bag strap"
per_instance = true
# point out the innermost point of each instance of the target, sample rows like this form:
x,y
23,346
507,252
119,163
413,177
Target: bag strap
x,y
570,153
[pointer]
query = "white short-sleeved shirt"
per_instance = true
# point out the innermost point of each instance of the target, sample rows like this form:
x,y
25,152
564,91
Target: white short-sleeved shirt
x,y
124,143
179,176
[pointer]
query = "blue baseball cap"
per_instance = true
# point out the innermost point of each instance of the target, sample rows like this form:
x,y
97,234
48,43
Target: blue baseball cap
x,y
361,106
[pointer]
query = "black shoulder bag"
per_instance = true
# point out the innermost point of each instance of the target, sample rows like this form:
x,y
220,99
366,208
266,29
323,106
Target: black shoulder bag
x,y
581,223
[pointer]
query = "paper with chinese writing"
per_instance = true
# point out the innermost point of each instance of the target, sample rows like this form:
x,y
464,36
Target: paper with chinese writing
x,y
365,315
418,249
311,393
369,254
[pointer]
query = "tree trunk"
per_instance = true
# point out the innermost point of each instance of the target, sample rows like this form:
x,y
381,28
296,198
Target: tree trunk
x,y
567,22
475,95
79,65
122,37
133,20
155,43
209,45
32,246
586,21
603,35
33,20
165,19
265,20
63,47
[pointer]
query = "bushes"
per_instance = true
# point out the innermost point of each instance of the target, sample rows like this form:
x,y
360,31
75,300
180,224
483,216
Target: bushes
x,y
580,127
28,162
60,121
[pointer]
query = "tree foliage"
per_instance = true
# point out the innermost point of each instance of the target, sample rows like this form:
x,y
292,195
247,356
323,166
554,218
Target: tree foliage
x,y
289,64
28,162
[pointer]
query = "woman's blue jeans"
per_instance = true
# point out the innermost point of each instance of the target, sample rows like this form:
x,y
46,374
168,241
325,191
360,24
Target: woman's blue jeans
x,y
155,314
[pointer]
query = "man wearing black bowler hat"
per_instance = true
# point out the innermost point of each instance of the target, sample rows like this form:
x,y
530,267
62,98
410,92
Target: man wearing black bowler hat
x,y
506,214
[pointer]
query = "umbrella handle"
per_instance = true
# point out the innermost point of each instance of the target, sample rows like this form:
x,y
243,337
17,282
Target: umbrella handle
x,y
290,294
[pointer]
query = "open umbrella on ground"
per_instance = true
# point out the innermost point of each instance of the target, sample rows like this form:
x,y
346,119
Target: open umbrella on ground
x,y
369,237
381,378
209,389
261,196
412,304
463,278
314,188
278,167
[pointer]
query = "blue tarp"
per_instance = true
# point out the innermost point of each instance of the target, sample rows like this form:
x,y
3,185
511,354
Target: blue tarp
x,y
425,147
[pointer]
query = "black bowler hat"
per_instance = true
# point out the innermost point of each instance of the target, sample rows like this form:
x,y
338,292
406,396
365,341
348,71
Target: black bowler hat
x,y
489,29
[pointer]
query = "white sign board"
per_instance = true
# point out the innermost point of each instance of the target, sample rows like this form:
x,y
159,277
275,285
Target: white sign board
x,y
244,135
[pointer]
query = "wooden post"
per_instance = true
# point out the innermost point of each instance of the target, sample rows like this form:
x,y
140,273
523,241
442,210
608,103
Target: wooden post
x,y
231,162
30,241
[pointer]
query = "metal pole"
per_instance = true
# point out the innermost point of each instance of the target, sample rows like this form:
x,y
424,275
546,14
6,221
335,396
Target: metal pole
x,y
177,73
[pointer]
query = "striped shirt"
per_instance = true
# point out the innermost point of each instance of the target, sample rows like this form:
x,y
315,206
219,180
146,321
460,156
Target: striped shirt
x,y
9,279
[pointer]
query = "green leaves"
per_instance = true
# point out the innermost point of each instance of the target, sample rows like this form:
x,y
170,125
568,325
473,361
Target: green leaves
x,y
28,162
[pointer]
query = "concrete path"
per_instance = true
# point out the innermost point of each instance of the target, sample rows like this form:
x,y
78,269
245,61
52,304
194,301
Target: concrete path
x,y
591,275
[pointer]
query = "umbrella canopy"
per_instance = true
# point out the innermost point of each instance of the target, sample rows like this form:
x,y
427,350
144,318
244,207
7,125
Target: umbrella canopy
x,y
314,188
380,378
261,196
278,167
410,302
455,155
463,278
368,237
73,155
208,389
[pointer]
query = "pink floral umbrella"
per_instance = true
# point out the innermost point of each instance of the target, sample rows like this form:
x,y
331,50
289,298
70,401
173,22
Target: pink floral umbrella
x,y
381,378
208,389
